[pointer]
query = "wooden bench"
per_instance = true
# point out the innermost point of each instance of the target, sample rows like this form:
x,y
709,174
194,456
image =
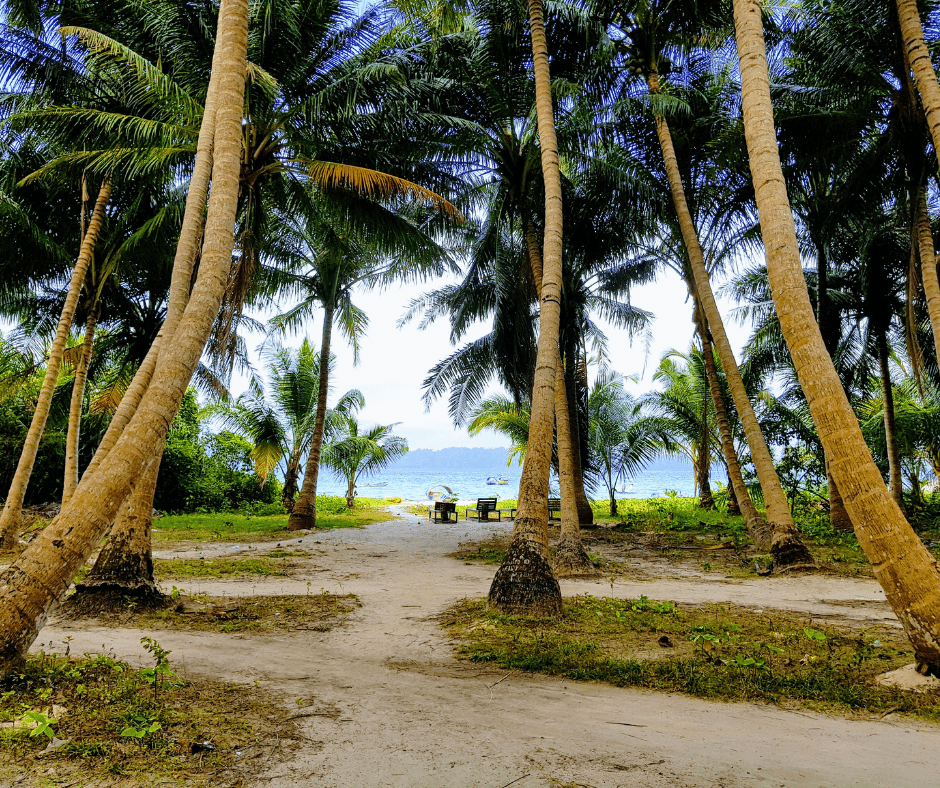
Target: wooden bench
x,y
484,508
554,507
443,512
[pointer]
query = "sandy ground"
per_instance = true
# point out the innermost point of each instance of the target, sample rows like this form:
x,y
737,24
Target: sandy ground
x,y
389,704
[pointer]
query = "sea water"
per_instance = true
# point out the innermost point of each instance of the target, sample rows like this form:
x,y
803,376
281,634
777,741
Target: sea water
x,y
652,482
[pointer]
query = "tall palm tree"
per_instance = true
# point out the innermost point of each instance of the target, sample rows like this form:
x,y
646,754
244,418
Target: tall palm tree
x,y
906,571
42,573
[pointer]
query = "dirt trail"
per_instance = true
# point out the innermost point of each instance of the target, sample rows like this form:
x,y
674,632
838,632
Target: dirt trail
x,y
401,711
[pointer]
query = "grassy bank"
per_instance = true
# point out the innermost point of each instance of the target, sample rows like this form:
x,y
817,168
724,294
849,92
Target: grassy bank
x,y
236,527
709,651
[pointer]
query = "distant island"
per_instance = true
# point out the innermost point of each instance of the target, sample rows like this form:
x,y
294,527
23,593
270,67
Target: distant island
x,y
454,458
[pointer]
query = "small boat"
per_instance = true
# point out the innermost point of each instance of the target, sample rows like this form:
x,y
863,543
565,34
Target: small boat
x,y
376,484
441,492
628,489
497,480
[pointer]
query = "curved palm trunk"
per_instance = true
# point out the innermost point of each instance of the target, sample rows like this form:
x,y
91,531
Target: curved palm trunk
x,y
908,574
757,527
75,411
12,509
895,478
524,582
124,567
912,33
928,266
351,494
42,573
703,463
787,546
304,513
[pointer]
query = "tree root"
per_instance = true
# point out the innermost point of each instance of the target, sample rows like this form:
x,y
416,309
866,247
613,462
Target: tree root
x,y
524,583
90,600
788,550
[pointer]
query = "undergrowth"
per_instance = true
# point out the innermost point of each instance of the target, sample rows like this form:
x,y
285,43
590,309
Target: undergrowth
x,y
719,652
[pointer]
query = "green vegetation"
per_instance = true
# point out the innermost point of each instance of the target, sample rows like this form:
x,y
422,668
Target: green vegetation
x,y
130,725
711,651
238,527
182,569
318,612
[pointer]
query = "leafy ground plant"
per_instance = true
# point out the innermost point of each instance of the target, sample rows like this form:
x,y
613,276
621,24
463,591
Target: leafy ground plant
x,y
102,721
257,614
719,652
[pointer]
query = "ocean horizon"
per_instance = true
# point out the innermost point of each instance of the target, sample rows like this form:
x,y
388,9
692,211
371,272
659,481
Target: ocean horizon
x,y
413,483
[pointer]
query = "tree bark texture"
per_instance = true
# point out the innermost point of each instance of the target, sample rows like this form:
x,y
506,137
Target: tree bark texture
x,y
304,513
787,546
72,438
908,574
572,373
42,573
738,497
838,515
892,449
288,499
524,582
928,266
703,463
925,77
12,509
571,559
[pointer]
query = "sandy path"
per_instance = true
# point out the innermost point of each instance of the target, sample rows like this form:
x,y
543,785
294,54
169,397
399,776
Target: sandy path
x,y
410,715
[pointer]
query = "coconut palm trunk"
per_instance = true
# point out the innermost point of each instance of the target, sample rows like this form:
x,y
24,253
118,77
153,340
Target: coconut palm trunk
x,y
12,509
908,574
925,77
892,447
928,266
304,513
72,437
703,463
524,582
757,527
838,514
572,371
787,546
290,481
42,573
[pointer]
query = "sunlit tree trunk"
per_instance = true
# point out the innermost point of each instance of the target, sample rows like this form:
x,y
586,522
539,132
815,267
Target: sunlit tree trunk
x,y
304,513
787,546
290,481
757,527
42,573
12,509
72,438
925,77
524,582
703,463
928,267
908,574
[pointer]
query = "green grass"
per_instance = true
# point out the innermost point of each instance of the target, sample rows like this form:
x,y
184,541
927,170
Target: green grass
x,y
106,698
236,527
719,652
184,569
318,612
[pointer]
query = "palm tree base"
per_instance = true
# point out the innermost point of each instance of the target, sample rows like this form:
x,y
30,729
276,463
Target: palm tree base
x,y
789,552
90,600
572,560
928,669
302,521
524,583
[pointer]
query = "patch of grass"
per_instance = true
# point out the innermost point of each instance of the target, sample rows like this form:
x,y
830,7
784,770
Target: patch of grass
x,y
712,651
183,569
138,725
489,551
237,527
258,614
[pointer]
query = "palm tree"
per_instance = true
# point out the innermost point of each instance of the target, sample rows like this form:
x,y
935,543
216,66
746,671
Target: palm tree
x,y
912,587
356,452
42,573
